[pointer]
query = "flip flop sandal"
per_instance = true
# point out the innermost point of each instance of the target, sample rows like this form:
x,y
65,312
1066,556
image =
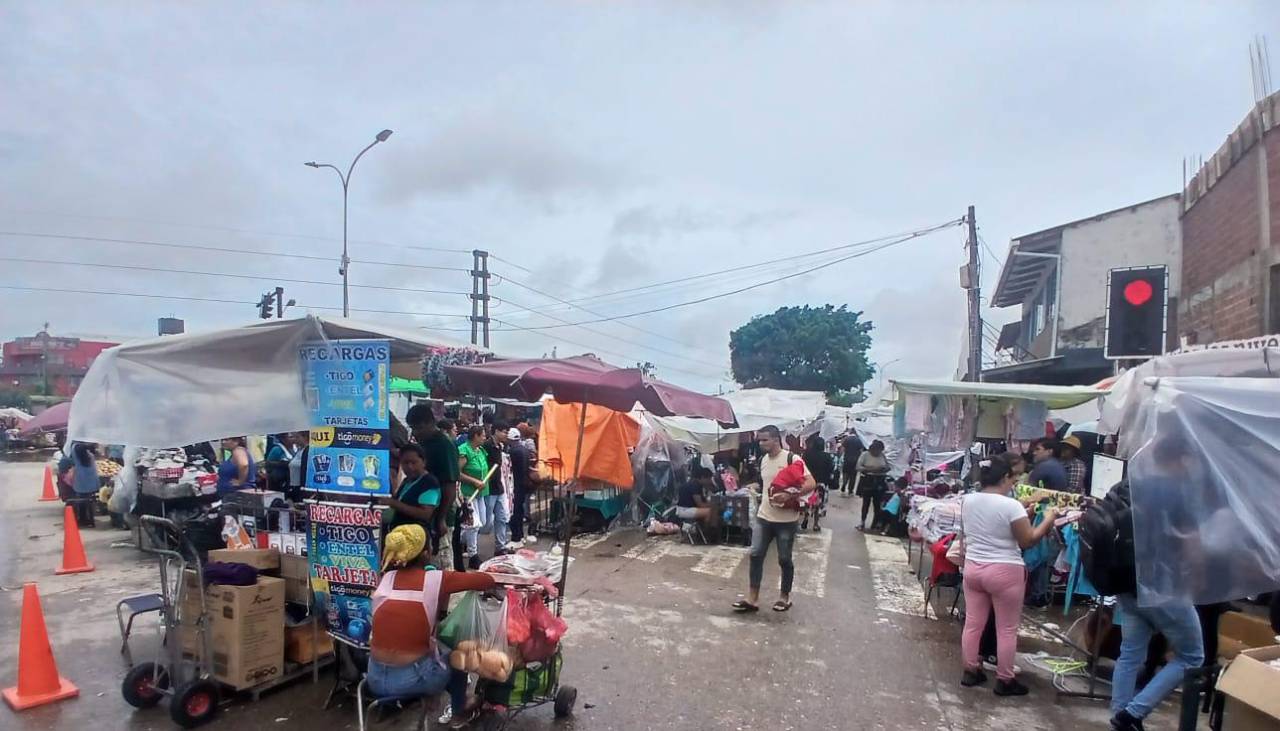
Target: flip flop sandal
x,y
781,606
743,607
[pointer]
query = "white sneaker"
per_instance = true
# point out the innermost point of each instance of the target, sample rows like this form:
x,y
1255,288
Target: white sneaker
x,y
530,539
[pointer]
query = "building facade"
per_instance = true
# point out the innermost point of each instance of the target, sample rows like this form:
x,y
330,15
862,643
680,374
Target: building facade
x,y
47,364
1058,277
1230,234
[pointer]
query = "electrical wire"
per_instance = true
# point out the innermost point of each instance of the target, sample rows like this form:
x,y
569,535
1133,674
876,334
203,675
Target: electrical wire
x,y
187,298
598,332
740,290
231,229
594,349
771,262
719,368
225,250
133,267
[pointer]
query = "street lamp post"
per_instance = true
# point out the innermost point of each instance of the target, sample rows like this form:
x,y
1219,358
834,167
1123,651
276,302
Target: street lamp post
x,y
880,369
346,180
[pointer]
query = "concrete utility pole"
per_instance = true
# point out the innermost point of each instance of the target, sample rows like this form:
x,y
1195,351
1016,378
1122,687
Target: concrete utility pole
x,y
480,298
975,300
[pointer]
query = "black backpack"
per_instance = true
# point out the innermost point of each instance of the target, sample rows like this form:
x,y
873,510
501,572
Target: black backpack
x,y
1106,543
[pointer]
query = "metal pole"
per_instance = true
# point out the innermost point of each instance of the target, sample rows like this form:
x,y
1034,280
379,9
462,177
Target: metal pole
x,y
484,293
570,508
346,260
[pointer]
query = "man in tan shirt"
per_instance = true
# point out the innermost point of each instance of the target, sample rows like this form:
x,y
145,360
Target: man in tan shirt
x,y
774,521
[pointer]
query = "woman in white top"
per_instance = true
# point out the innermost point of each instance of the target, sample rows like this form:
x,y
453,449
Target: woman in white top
x,y
995,528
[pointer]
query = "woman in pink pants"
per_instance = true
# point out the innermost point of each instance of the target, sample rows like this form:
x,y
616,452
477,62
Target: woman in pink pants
x,y
996,528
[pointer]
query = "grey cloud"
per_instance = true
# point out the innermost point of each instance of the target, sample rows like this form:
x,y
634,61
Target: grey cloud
x,y
496,151
654,221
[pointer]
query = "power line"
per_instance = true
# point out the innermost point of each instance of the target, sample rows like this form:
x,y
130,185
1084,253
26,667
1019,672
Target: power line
x,y
597,314
594,349
771,262
133,267
719,368
225,250
740,290
113,293
231,229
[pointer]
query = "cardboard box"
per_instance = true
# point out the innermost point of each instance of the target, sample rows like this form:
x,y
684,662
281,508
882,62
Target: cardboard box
x,y
245,626
262,559
304,642
1252,688
296,572
273,541
1238,632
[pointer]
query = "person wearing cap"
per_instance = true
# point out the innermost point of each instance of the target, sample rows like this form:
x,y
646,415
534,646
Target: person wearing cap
x,y
522,480
404,658
1069,455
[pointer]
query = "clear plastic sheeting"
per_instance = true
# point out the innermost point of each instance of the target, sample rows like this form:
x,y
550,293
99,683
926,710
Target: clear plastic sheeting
x,y
1206,500
1123,407
658,462
182,389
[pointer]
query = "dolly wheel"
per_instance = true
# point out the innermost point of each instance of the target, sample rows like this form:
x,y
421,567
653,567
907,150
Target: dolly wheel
x,y
194,704
144,685
566,697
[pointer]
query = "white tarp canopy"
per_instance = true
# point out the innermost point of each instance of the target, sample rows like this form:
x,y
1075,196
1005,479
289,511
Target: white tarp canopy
x,y
14,413
1125,402
182,389
790,411
1055,397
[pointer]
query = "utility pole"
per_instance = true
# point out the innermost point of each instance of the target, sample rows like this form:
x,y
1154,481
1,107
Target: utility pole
x,y
975,300
44,358
480,298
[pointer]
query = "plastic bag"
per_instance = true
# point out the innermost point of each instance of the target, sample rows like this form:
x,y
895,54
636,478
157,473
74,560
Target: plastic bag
x,y
546,629
518,628
478,638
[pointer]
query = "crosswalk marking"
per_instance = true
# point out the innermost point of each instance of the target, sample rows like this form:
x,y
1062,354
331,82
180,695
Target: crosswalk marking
x,y
811,555
897,589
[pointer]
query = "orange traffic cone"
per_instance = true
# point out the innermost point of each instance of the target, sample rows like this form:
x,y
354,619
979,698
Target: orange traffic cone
x,y
73,559
38,679
49,494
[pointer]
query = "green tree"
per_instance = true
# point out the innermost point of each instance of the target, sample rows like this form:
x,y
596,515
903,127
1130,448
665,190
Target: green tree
x,y
803,348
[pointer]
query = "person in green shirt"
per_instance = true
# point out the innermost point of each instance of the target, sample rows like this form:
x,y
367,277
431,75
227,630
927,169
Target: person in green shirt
x,y
473,463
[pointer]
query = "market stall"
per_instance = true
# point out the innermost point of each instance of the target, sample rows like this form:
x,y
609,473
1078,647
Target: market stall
x,y
586,380
167,398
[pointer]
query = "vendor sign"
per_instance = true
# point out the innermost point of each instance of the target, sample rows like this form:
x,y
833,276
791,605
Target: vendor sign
x,y
343,550
345,385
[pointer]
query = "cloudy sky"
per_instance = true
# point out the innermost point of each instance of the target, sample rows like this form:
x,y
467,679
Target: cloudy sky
x,y
592,148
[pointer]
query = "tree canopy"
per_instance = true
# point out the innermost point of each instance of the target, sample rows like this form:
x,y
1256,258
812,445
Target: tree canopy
x,y
803,348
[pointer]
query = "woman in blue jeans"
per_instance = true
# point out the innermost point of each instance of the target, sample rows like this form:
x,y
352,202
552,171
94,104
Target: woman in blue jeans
x,y
404,658
1180,625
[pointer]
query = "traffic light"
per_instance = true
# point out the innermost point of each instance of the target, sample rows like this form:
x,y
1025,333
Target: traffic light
x,y
265,306
1137,302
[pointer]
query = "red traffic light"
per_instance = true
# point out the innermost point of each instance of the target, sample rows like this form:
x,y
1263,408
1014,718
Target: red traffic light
x,y
1138,292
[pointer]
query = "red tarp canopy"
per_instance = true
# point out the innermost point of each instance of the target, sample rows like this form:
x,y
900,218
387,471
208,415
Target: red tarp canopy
x,y
53,418
587,379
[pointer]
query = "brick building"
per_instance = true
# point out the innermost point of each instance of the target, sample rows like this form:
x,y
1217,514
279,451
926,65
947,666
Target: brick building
x,y
28,363
1230,235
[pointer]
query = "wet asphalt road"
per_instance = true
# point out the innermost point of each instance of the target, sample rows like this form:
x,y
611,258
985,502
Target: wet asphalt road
x,y
652,642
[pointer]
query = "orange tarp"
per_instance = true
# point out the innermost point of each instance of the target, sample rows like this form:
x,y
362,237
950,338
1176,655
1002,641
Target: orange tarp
x,y
605,443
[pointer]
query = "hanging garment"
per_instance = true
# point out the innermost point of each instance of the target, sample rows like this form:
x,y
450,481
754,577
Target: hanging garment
x,y
917,412
1027,418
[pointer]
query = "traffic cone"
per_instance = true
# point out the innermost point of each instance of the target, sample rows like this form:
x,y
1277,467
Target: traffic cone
x,y
73,559
49,494
38,679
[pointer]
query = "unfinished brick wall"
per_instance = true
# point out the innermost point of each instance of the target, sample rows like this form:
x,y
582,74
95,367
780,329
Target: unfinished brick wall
x,y
1222,286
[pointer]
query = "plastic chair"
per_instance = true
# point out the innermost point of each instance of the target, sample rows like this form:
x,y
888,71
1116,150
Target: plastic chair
x,y
363,711
141,604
